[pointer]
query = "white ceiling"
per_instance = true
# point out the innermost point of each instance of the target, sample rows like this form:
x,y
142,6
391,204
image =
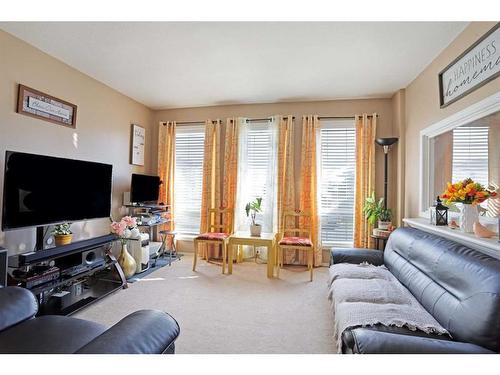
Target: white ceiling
x,y
188,64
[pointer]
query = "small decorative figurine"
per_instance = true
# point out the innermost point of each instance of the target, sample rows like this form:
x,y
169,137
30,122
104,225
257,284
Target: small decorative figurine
x,y
453,225
481,231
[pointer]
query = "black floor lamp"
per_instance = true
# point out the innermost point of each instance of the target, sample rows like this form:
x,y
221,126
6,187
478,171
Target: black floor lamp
x,y
385,143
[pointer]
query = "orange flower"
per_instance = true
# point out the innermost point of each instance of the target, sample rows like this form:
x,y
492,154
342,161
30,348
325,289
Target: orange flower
x,y
466,191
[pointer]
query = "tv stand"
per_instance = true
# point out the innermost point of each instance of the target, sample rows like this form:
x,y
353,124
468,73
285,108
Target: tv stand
x,y
66,278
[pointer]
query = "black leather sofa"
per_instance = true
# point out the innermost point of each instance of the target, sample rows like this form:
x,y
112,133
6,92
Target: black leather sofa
x,y
459,286
143,332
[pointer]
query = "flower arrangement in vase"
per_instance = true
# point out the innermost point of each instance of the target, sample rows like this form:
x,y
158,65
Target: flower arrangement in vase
x,y
126,229
470,194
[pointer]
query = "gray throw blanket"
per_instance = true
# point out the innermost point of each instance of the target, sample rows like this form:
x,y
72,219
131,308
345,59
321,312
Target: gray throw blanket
x,y
364,295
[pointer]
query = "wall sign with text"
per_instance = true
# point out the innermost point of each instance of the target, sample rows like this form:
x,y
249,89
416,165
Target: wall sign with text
x,y
137,145
34,103
475,67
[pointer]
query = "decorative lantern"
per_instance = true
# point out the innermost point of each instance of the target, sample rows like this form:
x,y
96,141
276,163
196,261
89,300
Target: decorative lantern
x,y
439,213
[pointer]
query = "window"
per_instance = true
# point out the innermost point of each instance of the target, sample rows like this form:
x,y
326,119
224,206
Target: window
x,y
258,156
337,166
470,154
256,172
189,149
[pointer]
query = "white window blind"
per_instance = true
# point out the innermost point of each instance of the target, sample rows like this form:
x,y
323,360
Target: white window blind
x,y
256,172
337,166
258,158
189,147
470,153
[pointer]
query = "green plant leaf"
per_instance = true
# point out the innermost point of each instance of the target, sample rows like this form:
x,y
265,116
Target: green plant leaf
x,y
259,202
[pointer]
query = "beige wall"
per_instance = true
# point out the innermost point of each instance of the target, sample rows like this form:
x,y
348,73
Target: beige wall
x,y
323,108
422,106
103,123
398,154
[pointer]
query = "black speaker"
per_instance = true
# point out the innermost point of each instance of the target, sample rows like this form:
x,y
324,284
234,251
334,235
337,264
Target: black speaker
x,y
94,257
3,266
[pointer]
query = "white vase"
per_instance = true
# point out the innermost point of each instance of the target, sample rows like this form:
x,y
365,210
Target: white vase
x,y
468,216
384,225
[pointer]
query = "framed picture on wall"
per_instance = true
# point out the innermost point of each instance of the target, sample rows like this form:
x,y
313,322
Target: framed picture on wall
x,y
475,67
34,103
138,137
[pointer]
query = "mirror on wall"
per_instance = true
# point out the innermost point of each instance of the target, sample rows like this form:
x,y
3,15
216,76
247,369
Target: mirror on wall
x,y
470,150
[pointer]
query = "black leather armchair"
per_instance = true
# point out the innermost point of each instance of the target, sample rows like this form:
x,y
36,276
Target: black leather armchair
x,y
459,286
143,332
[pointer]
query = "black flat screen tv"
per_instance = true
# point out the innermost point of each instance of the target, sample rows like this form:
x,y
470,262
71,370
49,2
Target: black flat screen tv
x,y
41,190
144,188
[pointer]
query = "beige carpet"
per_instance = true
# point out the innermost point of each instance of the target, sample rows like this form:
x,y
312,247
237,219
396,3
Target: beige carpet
x,y
242,313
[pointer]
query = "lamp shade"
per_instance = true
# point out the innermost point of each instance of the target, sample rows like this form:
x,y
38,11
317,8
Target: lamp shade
x,y
386,141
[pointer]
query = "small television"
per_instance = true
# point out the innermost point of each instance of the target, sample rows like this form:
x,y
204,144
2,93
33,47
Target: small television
x,y
41,190
144,188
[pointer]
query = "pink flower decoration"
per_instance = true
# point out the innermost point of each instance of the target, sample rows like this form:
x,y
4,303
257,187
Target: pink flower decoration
x,y
124,224
118,228
129,221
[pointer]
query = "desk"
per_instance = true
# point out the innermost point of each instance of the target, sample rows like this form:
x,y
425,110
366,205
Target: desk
x,y
265,240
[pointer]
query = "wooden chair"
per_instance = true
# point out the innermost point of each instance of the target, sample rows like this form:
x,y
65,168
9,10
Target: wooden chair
x,y
218,234
295,239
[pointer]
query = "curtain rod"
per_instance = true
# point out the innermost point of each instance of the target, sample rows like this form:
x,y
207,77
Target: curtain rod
x,y
258,119
264,119
190,122
270,118
341,117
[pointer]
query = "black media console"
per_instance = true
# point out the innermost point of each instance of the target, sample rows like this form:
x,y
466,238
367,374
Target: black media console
x,y
66,278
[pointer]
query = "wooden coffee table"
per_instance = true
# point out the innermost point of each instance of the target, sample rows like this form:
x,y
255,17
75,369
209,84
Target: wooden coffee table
x,y
265,240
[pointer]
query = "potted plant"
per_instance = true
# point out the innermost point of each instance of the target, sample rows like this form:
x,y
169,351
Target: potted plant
x,y
252,208
384,218
62,234
375,212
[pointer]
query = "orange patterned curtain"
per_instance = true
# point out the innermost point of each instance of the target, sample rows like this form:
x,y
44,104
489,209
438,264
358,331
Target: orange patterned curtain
x,y
210,195
308,179
166,164
286,177
366,127
230,164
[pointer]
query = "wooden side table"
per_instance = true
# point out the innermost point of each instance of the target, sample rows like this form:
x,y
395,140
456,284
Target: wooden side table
x,y
265,240
378,240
